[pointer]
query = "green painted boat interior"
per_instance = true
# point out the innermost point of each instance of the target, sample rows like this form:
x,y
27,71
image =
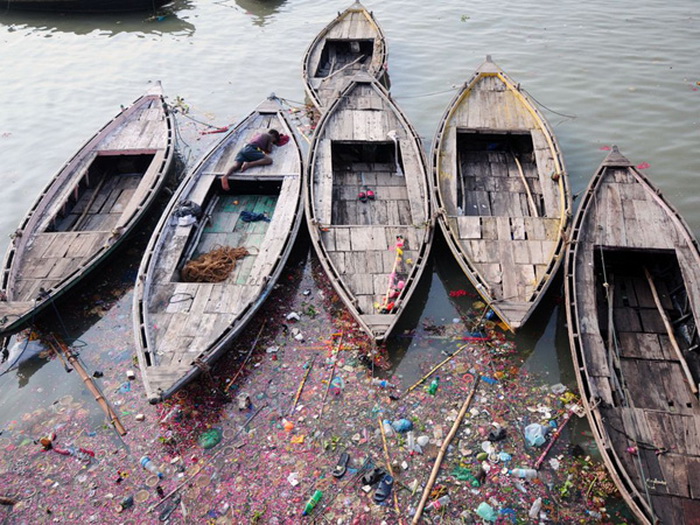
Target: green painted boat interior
x,y
226,226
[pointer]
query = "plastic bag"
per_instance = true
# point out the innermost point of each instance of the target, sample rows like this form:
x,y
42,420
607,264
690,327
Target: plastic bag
x,y
535,434
486,512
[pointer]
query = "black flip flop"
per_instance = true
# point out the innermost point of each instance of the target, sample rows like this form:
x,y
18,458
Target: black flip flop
x,y
384,488
342,465
373,476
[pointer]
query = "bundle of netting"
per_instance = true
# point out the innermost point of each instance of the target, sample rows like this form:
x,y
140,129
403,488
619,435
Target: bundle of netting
x,y
214,266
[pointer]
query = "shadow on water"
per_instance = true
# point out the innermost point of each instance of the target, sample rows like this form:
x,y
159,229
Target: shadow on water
x,y
261,11
164,21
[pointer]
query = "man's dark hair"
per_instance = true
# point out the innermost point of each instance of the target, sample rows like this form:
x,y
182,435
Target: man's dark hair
x,y
275,134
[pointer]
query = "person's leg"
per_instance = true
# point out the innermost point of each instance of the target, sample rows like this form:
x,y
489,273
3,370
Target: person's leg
x,y
224,180
260,162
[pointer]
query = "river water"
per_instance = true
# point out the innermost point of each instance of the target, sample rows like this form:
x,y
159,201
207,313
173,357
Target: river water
x,y
622,72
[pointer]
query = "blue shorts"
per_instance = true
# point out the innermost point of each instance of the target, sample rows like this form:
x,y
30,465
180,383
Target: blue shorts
x,y
249,154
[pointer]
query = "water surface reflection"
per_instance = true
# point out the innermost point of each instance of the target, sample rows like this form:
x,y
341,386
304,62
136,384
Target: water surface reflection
x,y
165,21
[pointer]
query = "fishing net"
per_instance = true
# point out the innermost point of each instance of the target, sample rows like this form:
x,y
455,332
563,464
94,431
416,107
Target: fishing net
x,y
214,266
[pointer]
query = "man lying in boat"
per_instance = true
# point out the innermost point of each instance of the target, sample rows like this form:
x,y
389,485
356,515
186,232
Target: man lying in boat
x,y
255,153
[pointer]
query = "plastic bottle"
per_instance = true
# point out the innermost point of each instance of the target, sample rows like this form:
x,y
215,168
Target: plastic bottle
x,y
526,473
381,383
411,442
150,466
388,429
433,386
311,504
439,503
535,509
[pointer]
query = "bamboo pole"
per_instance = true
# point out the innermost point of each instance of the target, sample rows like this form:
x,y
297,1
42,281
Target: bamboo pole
x,y
330,379
443,450
390,469
301,385
671,336
91,386
250,352
435,369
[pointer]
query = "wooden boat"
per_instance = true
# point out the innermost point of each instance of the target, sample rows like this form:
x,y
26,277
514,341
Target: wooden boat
x,y
632,304
88,209
501,192
373,249
352,42
181,327
83,6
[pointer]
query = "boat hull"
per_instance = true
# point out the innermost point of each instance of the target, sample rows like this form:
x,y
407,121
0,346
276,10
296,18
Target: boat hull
x,y
373,246
182,323
89,209
632,283
83,6
501,192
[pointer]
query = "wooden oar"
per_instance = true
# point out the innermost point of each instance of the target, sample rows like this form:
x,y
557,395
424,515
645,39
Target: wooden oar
x,y
533,206
671,336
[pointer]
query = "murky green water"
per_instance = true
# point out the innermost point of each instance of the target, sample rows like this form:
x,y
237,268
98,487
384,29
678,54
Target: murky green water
x,y
620,72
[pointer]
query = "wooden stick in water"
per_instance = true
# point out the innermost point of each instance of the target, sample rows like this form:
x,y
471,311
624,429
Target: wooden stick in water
x,y
391,470
301,386
443,450
435,368
91,386
330,379
250,352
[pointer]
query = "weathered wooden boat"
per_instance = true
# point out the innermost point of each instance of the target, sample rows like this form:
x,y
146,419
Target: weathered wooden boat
x,y
352,42
83,6
502,195
632,290
181,326
368,204
92,204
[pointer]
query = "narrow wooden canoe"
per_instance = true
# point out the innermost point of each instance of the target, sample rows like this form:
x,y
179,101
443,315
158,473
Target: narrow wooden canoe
x,y
88,209
373,251
83,6
501,192
352,42
632,304
182,327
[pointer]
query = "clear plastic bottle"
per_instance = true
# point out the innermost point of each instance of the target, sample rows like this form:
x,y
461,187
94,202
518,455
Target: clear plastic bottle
x,y
535,509
147,464
439,503
381,383
525,473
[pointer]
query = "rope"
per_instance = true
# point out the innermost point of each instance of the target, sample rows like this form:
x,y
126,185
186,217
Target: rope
x,y
214,266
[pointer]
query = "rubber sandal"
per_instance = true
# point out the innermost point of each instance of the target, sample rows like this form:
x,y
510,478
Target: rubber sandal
x,y
384,488
362,196
342,465
373,476
370,194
